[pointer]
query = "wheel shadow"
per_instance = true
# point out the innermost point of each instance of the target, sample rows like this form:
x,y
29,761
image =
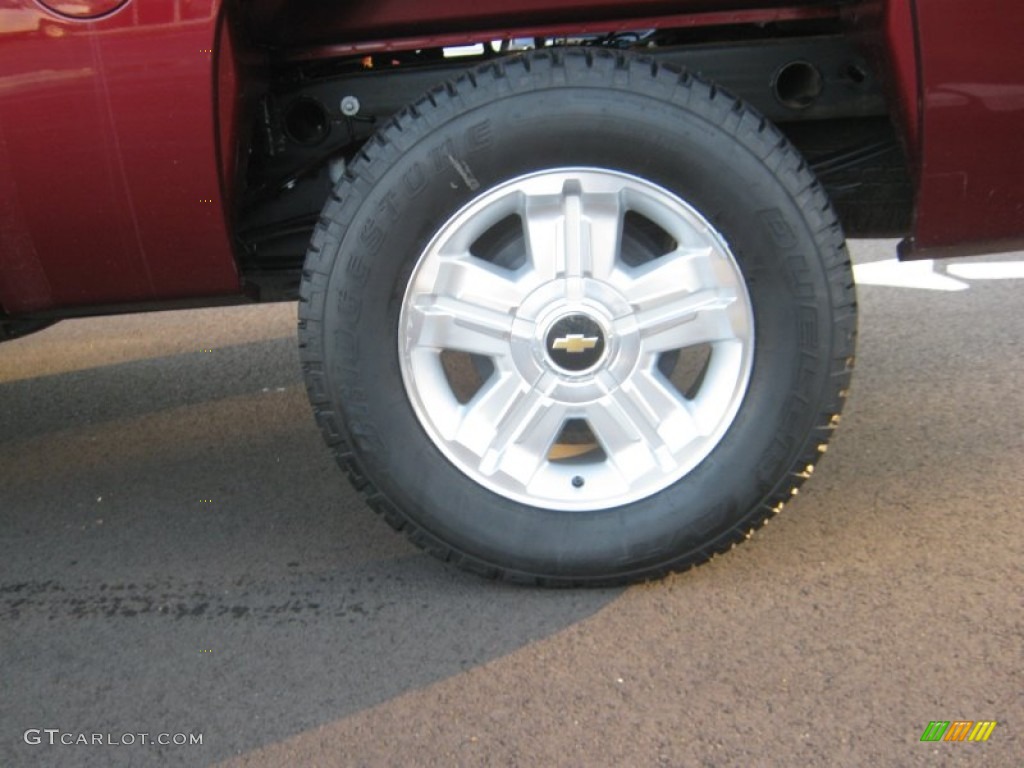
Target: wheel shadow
x,y
181,554
83,398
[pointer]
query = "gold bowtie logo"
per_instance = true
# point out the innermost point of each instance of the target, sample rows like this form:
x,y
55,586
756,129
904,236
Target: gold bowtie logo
x,y
574,343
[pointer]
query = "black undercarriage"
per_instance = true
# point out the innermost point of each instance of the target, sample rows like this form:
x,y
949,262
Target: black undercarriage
x,y
313,117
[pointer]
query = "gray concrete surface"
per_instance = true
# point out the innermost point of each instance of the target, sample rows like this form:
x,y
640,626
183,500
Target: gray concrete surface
x,y
180,555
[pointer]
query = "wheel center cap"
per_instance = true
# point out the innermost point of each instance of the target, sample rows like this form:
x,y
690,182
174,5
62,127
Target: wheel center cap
x,y
575,343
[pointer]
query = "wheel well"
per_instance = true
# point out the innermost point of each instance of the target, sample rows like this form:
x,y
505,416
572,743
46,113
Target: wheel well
x,y
309,117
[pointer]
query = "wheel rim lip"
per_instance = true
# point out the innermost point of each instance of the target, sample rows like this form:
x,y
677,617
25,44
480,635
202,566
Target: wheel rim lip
x,y
477,216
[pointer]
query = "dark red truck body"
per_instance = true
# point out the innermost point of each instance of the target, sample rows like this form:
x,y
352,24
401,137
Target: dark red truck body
x,y
574,304
121,124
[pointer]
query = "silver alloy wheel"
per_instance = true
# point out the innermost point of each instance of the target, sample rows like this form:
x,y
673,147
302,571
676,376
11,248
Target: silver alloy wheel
x,y
571,292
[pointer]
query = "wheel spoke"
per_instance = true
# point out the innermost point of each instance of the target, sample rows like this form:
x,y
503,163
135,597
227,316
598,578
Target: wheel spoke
x,y
573,235
700,318
475,281
671,414
627,427
667,278
680,300
604,212
481,416
441,322
521,449
469,308
511,427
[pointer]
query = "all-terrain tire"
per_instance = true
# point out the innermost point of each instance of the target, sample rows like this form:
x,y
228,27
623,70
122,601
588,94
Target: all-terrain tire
x,y
703,167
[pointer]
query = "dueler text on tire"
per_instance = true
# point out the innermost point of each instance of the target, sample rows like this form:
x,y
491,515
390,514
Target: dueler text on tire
x,y
577,319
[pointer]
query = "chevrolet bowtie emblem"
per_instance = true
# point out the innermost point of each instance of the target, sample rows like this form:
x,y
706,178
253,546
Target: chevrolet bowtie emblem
x,y
574,343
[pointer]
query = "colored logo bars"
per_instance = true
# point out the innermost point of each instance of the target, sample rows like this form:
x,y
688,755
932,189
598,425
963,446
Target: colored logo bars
x,y
958,730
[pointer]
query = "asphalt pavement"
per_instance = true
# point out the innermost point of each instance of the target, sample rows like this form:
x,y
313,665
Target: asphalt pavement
x,y
181,558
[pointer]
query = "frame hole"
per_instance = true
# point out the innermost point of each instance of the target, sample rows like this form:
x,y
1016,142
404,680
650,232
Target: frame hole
x,y
306,122
798,85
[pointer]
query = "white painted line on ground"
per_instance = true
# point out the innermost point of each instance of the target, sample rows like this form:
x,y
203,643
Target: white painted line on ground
x,y
988,270
906,274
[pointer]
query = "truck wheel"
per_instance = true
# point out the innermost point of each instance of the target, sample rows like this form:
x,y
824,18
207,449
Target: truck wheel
x,y
575,318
